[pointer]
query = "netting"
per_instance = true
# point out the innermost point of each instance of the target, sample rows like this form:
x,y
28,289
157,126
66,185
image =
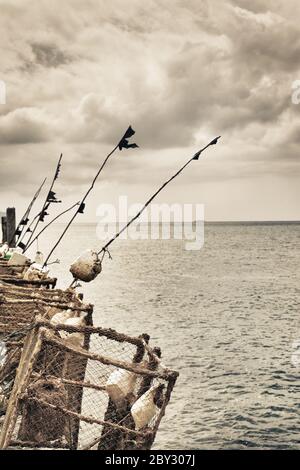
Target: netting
x,y
19,307
67,384
16,275
81,387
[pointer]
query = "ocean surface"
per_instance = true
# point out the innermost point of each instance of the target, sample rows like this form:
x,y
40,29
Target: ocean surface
x,y
226,317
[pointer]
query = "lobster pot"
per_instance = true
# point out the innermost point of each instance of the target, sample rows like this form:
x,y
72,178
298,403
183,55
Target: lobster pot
x,y
19,307
87,267
97,397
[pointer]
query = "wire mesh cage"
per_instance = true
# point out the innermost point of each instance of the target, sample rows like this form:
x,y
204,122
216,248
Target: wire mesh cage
x,y
16,275
6,269
19,307
82,387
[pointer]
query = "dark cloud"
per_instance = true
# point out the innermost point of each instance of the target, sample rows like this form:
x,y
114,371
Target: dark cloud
x,y
48,55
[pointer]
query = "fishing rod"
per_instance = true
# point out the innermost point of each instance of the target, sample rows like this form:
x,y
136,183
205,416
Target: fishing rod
x,y
51,198
22,245
25,219
50,223
104,249
123,144
20,241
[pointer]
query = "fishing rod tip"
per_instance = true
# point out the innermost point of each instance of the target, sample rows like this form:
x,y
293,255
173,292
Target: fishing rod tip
x,y
215,141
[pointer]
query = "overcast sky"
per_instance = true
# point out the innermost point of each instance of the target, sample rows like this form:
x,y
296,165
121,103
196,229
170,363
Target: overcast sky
x,y
180,72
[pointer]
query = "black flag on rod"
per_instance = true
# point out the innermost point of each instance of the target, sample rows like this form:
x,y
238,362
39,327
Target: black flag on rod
x,y
51,197
124,144
213,142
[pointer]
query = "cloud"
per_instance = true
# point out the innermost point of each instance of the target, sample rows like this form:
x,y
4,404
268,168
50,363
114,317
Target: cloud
x,y
48,55
24,125
79,72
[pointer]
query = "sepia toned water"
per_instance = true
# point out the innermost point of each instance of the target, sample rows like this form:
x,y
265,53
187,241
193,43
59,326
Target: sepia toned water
x,y
226,317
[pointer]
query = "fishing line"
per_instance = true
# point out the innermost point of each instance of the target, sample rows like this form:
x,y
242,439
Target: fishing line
x,y
51,198
25,219
51,222
123,143
195,157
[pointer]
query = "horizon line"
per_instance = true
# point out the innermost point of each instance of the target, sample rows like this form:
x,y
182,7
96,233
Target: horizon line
x,y
296,221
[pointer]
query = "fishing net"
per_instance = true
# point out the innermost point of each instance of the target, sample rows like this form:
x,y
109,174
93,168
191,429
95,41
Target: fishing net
x,y
82,387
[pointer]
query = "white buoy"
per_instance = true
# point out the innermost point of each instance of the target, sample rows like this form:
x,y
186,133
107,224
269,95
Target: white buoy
x,y
4,249
61,317
120,385
36,272
39,258
77,338
144,409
